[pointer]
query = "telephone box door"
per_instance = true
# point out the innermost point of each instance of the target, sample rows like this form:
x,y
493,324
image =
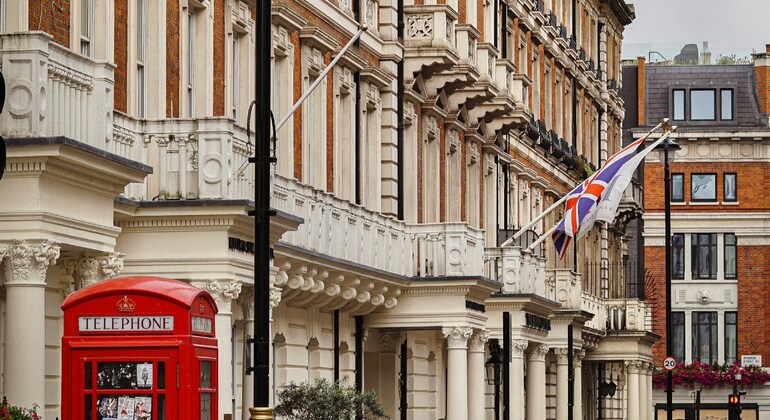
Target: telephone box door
x,y
125,384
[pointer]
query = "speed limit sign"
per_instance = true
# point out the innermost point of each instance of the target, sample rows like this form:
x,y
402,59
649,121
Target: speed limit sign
x,y
669,363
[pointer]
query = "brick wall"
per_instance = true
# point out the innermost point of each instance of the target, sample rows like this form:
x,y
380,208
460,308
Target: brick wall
x,y
219,58
762,75
657,300
121,56
753,281
52,17
172,59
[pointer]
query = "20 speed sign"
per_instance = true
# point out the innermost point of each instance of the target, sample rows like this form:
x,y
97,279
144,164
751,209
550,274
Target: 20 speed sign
x,y
669,363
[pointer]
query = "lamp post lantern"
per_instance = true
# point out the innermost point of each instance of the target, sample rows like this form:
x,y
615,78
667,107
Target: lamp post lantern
x,y
494,367
665,147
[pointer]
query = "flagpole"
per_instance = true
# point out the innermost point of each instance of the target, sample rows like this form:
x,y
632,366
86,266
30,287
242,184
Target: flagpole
x,y
560,201
542,237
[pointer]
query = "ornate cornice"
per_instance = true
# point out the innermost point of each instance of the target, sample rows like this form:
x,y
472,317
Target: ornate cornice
x,y
25,264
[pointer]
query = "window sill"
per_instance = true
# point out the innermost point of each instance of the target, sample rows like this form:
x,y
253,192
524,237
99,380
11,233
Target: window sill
x,y
703,203
729,203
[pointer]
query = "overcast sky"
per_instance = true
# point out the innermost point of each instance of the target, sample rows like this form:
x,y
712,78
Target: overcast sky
x,y
725,24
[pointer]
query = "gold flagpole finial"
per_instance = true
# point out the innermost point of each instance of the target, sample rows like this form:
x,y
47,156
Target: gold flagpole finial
x,y
666,125
673,128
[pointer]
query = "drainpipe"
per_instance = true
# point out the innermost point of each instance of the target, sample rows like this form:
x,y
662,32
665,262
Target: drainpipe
x,y
336,326
506,366
570,373
359,359
403,406
400,115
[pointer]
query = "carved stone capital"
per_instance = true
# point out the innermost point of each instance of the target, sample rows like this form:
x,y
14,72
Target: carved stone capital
x,y
92,269
224,292
390,341
633,366
457,337
538,352
578,355
246,303
562,355
28,263
519,347
478,340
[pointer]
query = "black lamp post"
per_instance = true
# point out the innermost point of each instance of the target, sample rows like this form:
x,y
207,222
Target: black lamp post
x,y
665,147
494,367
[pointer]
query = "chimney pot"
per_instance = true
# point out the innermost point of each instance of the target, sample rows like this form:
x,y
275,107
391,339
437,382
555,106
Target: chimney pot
x,y
767,48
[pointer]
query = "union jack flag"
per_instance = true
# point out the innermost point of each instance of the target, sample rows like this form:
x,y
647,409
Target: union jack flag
x,y
586,195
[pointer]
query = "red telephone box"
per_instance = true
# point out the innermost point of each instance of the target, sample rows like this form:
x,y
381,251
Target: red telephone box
x,y
139,348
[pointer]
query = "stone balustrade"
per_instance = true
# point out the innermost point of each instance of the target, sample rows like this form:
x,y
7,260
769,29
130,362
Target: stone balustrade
x,y
53,91
628,315
447,249
519,271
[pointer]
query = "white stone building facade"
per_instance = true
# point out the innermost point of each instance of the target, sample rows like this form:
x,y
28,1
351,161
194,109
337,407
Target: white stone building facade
x,y
126,138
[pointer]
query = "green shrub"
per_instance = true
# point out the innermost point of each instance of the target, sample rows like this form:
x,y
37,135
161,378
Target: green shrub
x,y
323,400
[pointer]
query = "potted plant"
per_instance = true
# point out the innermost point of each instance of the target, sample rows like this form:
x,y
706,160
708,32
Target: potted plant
x,y
324,400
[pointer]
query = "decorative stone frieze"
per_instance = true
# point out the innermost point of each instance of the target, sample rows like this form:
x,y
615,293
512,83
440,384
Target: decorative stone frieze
x,y
224,292
27,263
457,337
478,340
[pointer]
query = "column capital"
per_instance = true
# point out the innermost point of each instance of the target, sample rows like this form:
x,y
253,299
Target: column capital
x,y
390,340
478,340
28,263
91,268
578,355
519,347
562,355
457,337
246,303
634,366
538,352
224,292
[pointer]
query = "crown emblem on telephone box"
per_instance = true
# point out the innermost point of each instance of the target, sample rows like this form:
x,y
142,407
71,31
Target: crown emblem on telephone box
x,y
126,305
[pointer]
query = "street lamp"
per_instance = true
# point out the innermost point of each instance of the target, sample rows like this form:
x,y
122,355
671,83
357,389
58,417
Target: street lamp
x,y
607,389
494,367
665,147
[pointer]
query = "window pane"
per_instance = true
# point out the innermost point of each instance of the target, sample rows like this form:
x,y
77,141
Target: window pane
x,y
677,187
205,407
727,104
702,105
677,324
704,337
205,380
88,375
731,336
730,187
703,187
677,256
678,104
88,407
731,257
124,375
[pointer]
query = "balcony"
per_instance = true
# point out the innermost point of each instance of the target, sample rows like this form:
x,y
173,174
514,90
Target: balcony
x,y
628,315
53,91
429,45
465,72
345,231
520,271
485,87
566,287
513,96
193,158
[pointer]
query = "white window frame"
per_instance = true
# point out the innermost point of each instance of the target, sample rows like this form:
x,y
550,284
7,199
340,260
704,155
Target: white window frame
x,y
141,58
86,27
236,85
190,47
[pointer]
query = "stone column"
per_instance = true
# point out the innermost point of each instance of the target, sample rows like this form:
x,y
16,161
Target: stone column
x,y
633,394
224,293
647,386
577,362
562,383
476,373
518,348
536,402
25,273
246,300
457,375
388,375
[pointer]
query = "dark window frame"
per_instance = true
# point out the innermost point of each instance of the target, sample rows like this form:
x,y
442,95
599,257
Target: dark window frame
x,y
674,197
712,251
677,264
692,185
734,246
722,105
735,187
674,108
734,325
678,332
712,325
716,107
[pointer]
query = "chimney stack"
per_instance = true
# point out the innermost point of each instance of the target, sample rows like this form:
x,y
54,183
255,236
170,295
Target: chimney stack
x,y
762,75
